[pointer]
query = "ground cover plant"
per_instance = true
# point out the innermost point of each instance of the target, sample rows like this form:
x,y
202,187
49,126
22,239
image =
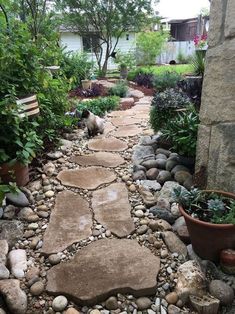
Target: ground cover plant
x,y
95,91
99,106
165,80
119,89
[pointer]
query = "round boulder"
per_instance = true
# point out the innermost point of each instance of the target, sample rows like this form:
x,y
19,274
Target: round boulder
x,y
161,163
182,176
164,176
152,173
221,291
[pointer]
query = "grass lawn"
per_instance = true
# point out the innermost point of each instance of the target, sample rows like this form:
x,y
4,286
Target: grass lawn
x,y
179,68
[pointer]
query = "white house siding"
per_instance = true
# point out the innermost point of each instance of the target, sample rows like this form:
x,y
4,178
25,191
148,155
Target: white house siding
x,y
173,48
73,42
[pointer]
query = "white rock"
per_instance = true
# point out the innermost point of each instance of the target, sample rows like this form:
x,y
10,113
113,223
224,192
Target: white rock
x,y
139,213
59,303
49,168
18,263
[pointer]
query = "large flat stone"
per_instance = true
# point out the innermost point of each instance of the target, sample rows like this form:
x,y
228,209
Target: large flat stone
x,y
112,209
86,178
125,121
11,231
105,268
110,144
124,113
127,130
104,159
70,222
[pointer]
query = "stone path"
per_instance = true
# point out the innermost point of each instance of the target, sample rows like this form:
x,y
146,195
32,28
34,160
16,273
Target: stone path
x,y
105,267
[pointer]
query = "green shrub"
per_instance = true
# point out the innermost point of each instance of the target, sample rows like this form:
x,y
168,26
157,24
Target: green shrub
x,y
166,80
164,106
99,106
120,89
76,67
182,132
198,63
182,58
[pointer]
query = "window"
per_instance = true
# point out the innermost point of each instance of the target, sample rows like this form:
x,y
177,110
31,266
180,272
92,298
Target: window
x,y
90,43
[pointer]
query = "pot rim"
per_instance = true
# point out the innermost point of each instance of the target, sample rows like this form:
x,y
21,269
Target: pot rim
x,y
209,224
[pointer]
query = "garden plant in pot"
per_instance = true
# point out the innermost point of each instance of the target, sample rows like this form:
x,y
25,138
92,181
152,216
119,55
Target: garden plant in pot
x,y
210,218
86,74
125,61
19,142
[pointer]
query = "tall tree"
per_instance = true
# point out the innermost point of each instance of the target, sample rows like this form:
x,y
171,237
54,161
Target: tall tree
x,y
108,20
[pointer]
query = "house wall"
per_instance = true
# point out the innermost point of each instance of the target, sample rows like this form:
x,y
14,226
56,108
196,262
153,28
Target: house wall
x,y
184,31
73,42
173,48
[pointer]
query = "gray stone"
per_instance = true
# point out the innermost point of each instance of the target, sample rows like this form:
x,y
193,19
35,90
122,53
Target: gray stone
x,y
170,164
142,229
11,231
49,169
18,262
17,199
148,164
14,297
70,222
150,185
25,213
112,209
4,272
167,191
59,303
160,163
111,303
139,175
3,251
182,176
141,151
55,155
148,198
37,288
143,303
221,291
9,212
179,168
163,151
152,173
174,244
162,213
164,176
103,268
179,223
161,156
54,259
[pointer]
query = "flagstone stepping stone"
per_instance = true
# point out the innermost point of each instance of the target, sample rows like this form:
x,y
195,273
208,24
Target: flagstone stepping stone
x,y
110,144
120,113
70,222
104,159
105,268
127,130
108,127
112,209
126,121
86,178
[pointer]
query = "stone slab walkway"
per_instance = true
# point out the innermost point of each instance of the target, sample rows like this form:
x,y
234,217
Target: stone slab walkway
x,y
104,159
104,268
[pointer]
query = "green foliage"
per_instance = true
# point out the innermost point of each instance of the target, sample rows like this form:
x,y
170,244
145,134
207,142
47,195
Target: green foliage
x,y
211,207
182,132
182,58
120,89
166,80
99,106
7,188
19,141
198,63
164,106
76,67
109,20
125,60
149,46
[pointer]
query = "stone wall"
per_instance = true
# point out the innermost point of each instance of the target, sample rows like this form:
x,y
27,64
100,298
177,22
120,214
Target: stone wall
x,y
216,137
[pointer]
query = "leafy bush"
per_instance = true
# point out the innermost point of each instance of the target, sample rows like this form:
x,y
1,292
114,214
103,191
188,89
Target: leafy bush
x,y
166,80
125,60
149,46
143,79
76,67
120,89
164,106
99,106
198,63
182,132
182,58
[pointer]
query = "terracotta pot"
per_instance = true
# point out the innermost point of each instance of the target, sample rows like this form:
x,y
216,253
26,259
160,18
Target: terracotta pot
x,y
28,106
86,84
17,173
209,239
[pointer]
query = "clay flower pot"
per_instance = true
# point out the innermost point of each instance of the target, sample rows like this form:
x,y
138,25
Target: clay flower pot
x,y
16,173
209,239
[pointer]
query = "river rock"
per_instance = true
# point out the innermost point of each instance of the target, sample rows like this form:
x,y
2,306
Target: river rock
x,y
140,152
143,303
178,168
14,297
191,281
25,213
11,231
18,262
227,261
59,303
174,244
17,199
4,272
152,173
162,213
182,176
139,175
167,191
3,251
111,303
163,151
205,304
37,288
148,164
161,163
9,212
172,297
147,196
163,225
164,176
49,169
221,291
150,185
170,164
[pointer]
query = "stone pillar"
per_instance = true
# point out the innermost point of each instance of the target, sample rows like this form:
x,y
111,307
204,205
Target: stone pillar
x,y
215,162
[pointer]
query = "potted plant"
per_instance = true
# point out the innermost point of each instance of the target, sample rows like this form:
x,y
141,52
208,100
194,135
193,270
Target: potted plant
x,y
86,74
210,218
19,142
125,62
